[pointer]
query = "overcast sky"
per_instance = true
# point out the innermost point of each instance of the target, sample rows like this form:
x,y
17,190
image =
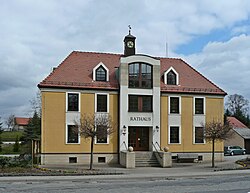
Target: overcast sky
x,y
35,36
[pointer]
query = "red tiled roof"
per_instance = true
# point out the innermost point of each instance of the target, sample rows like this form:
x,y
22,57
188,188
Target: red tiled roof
x,y
235,123
22,121
76,72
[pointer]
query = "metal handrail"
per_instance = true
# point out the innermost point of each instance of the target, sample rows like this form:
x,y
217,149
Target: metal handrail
x,y
125,145
157,150
158,145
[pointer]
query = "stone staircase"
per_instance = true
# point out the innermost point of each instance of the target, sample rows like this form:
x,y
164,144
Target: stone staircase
x,y
145,159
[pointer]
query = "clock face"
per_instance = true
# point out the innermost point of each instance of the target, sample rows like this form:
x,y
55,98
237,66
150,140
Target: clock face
x,y
130,44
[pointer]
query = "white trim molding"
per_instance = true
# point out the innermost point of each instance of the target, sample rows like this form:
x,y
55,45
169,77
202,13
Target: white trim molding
x,y
173,96
96,102
96,67
66,140
102,143
204,105
176,73
204,141
179,126
79,101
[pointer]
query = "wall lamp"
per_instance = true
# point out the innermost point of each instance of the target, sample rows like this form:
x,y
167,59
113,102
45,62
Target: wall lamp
x,y
124,130
157,129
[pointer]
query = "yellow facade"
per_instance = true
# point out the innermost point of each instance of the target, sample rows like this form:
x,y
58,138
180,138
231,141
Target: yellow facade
x,y
214,111
54,124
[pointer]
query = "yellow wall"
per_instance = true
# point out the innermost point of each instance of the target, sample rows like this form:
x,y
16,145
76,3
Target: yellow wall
x,y
164,121
54,124
214,110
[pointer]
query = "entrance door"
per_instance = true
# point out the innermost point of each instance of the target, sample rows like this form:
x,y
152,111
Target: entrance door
x,y
138,138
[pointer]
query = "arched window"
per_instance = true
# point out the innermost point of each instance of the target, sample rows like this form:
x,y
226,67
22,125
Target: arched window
x,y
140,75
171,78
101,74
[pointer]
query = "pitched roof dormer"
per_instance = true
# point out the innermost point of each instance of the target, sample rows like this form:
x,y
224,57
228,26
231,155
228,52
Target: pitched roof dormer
x,y
171,77
100,72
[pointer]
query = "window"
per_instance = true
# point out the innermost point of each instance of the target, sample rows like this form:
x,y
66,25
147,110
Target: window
x,y
101,159
101,136
174,135
72,159
140,75
101,74
199,105
174,105
102,104
140,103
72,134
171,78
199,135
73,102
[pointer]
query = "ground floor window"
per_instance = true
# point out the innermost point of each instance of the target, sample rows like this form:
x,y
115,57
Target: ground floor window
x,y
174,134
101,136
199,135
72,134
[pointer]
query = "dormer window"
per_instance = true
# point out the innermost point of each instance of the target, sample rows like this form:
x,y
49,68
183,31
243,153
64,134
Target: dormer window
x,y
101,73
171,77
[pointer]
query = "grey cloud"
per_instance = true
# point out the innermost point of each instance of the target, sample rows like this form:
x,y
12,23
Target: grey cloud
x,y
38,35
226,64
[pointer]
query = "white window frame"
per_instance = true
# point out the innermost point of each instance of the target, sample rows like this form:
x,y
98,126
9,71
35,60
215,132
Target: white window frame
x,y
96,67
204,105
169,134
79,101
169,98
96,143
96,102
204,140
79,136
166,73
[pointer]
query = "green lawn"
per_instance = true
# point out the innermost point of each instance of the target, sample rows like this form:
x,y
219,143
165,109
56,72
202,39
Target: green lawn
x,y
11,135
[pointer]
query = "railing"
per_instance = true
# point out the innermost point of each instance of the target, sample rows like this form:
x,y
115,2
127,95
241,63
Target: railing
x,y
158,145
125,145
157,150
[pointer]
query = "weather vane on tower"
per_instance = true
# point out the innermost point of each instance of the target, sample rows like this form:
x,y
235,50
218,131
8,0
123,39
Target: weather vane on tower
x,y
129,29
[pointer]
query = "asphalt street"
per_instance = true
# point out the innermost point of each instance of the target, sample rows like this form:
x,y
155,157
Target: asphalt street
x,y
188,178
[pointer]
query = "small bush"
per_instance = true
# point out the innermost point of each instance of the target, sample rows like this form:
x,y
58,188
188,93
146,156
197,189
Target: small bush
x,y
4,161
17,161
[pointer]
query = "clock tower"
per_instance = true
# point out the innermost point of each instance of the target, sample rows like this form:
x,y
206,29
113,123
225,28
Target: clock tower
x,y
129,44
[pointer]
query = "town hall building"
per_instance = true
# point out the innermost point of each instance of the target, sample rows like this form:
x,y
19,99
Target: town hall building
x,y
154,102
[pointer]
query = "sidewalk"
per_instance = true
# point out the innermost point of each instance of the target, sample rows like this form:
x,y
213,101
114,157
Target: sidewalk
x,y
178,170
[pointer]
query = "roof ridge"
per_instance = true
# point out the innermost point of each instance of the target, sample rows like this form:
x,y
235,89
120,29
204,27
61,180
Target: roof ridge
x,y
161,57
203,76
108,53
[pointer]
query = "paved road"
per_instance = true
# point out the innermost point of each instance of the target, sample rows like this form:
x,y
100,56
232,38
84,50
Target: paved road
x,y
208,184
199,177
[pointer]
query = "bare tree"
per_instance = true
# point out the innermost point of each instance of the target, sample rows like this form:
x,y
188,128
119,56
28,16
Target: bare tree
x,y
10,122
216,131
36,104
237,104
97,126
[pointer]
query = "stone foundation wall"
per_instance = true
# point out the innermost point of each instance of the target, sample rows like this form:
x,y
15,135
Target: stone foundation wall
x,y
63,159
